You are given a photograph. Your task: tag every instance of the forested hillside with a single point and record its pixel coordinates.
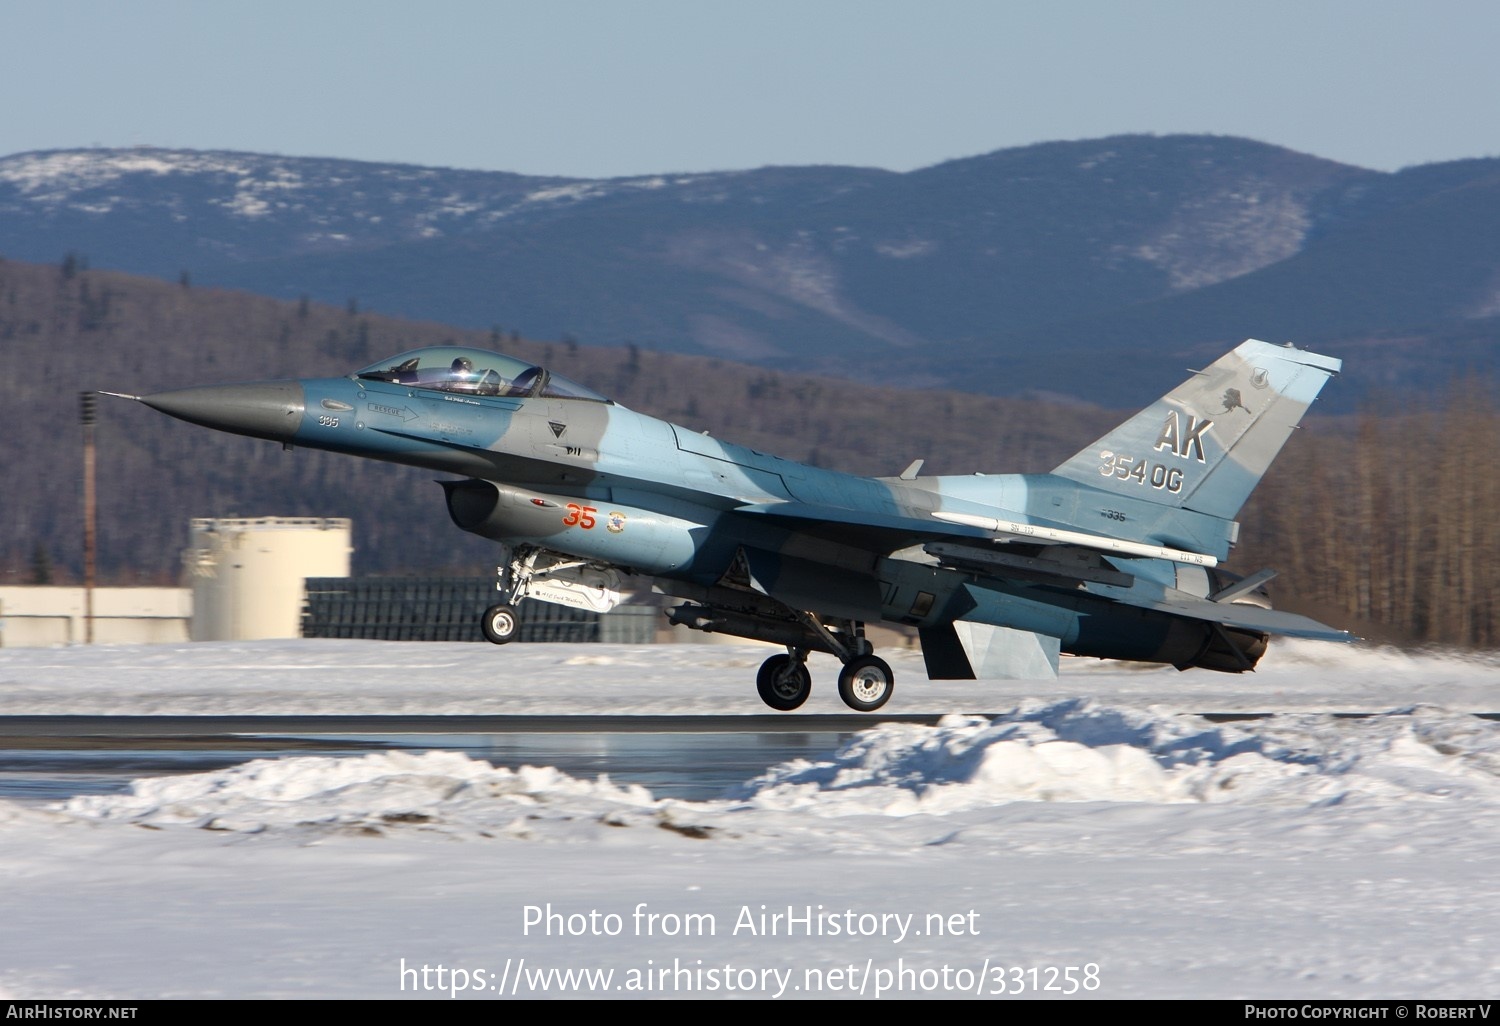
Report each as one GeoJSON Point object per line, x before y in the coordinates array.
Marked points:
{"type": "Point", "coordinates": [1388, 517]}
{"type": "Point", "coordinates": [64, 329]}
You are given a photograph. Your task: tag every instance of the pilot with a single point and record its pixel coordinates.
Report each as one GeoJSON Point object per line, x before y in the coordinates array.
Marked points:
{"type": "Point", "coordinates": [462, 369]}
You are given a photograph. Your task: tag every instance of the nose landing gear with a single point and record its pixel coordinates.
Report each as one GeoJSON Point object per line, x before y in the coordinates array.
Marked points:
{"type": "Point", "coordinates": [537, 573]}
{"type": "Point", "coordinates": [499, 624]}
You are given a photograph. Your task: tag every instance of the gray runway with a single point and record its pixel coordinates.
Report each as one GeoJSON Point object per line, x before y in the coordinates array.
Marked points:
{"type": "Point", "coordinates": [52, 758]}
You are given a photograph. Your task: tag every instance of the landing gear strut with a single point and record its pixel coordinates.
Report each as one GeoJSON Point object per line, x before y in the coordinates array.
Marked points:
{"type": "Point", "coordinates": [500, 624]}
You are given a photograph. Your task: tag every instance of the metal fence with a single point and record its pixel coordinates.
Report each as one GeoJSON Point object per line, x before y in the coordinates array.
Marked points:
{"type": "Point", "coordinates": [448, 609]}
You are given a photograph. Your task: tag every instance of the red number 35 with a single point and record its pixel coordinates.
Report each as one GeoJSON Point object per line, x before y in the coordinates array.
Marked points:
{"type": "Point", "coordinates": [583, 516]}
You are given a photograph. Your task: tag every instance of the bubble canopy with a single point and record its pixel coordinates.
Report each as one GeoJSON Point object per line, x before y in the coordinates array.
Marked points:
{"type": "Point", "coordinates": [474, 372]}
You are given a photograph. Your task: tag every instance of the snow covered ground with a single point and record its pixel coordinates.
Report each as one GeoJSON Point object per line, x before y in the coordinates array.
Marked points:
{"type": "Point", "coordinates": [1089, 837]}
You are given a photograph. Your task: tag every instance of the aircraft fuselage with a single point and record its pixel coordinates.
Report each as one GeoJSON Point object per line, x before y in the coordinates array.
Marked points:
{"type": "Point", "coordinates": [1114, 554]}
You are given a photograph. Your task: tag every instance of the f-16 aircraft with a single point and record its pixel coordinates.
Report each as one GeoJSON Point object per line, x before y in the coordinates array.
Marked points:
{"type": "Point", "coordinates": [1114, 554]}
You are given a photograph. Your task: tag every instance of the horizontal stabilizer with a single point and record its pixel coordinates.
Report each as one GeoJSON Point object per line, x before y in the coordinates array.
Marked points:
{"type": "Point", "coordinates": [1244, 616]}
{"type": "Point", "coordinates": [1244, 586]}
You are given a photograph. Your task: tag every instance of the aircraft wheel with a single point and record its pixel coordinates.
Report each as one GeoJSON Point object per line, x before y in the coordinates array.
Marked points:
{"type": "Point", "coordinates": [783, 683]}
{"type": "Point", "coordinates": [866, 683]}
{"type": "Point", "coordinates": [499, 624]}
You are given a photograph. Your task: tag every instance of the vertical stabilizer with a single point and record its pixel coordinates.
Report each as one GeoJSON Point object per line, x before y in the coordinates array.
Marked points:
{"type": "Point", "coordinates": [1206, 444]}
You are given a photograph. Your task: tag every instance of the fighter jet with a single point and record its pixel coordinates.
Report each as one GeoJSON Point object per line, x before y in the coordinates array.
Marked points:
{"type": "Point", "coordinates": [1115, 554]}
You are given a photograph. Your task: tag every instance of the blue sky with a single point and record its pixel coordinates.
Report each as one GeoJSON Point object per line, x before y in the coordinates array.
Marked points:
{"type": "Point", "coordinates": [592, 88]}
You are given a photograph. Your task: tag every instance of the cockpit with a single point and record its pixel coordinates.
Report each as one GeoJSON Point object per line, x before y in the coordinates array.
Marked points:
{"type": "Point", "coordinates": [475, 372]}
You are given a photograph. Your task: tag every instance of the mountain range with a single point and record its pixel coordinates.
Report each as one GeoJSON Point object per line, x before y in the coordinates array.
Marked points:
{"type": "Point", "coordinates": [1072, 268]}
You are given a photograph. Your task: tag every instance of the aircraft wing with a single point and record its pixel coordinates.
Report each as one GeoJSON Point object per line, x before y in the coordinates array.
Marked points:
{"type": "Point", "coordinates": [867, 528]}
{"type": "Point", "coordinates": [892, 531]}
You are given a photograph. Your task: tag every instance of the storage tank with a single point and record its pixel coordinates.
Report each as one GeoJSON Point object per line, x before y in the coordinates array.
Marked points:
{"type": "Point", "coordinates": [248, 575]}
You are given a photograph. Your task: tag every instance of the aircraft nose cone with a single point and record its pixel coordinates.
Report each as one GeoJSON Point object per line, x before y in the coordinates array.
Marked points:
{"type": "Point", "coordinates": [263, 409]}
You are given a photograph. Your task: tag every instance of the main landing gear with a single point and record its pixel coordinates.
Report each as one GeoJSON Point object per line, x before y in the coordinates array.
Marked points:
{"type": "Point", "coordinates": [865, 683]}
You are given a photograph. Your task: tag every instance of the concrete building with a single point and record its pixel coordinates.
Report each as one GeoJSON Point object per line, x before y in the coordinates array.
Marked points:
{"type": "Point", "coordinates": [245, 580]}
{"type": "Point", "coordinates": [39, 616]}
{"type": "Point", "coordinates": [248, 576]}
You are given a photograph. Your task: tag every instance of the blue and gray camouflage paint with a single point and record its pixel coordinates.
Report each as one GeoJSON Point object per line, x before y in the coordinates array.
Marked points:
{"type": "Point", "coordinates": [1114, 554]}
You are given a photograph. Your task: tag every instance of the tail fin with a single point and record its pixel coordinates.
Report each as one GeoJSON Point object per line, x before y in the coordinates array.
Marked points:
{"type": "Point", "coordinates": [1206, 444]}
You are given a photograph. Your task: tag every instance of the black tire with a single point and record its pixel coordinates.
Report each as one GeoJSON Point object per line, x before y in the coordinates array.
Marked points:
{"type": "Point", "coordinates": [866, 683]}
{"type": "Point", "coordinates": [783, 683]}
{"type": "Point", "coordinates": [499, 624]}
